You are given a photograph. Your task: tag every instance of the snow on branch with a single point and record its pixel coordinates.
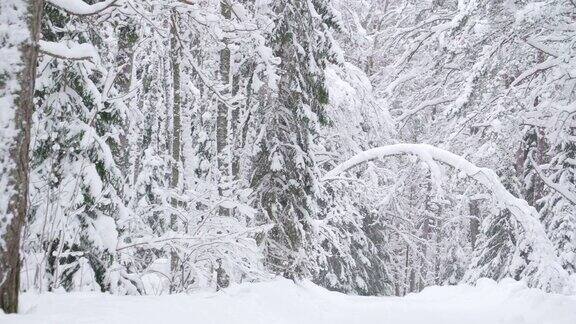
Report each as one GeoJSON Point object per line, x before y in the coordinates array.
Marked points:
{"type": "Point", "coordinates": [69, 51]}
{"type": "Point", "coordinates": [539, 68]}
{"type": "Point", "coordinates": [570, 196]}
{"type": "Point", "coordinates": [534, 258]}
{"type": "Point", "coordinates": [196, 239]}
{"type": "Point", "coordinates": [81, 8]}
{"type": "Point", "coordinates": [423, 105]}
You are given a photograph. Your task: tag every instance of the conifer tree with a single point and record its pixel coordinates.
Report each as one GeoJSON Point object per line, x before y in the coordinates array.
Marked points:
{"type": "Point", "coordinates": [285, 175]}
{"type": "Point", "coordinates": [75, 176]}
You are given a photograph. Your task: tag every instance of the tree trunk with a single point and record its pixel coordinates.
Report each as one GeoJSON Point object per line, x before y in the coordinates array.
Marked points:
{"type": "Point", "coordinates": [222, 145]}
{"type": "Point", "coordinates": [222, 116]}
{"type": "Point", "coordinates": [474, 222]}
{"type": "Point", "coordinates": [14, 167]}
{"type": "Point", "coordinates": [176, 126]}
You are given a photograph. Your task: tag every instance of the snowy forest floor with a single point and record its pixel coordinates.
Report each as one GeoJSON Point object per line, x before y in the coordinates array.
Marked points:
{"type": "Point", "coordinates": [283, 302]}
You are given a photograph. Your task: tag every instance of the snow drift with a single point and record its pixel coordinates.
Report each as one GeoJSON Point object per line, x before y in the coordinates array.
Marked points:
{"type": "Point", "coordinates": [283, 301]}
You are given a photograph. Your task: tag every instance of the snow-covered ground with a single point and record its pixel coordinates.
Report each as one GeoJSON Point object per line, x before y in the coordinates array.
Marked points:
{"type": "Point", "coordinates": [283, 302]}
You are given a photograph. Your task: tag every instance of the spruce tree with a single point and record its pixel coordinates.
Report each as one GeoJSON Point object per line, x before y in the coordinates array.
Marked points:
{"type": "Point", "coordinates": [285, 176]}
{"type": "Point", "coordinates": [76, 182]}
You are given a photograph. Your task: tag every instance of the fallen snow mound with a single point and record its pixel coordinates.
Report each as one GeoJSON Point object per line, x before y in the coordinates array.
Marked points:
{"type": "Point", "coordinates": [284, 302]}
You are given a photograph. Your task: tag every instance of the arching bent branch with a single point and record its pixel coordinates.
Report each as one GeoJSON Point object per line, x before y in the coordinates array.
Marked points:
{"type": "Point", "coordinates": [534, 258]}
{"type": "Point", "coordinates": [81, 8]}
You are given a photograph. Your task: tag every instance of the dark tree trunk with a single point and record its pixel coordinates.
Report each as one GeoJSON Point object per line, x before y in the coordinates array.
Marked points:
{"type": "Point", "coordinates": [222, 134]}
{"type": "Point", "coordinates": [474, 222]}
{"type": "Point", "coordinates": [18, 173]}
{"type": "Point", "coordinates": [176, 120]}
{"type": "Point", "coordinates": [176, 128]}
{"type": "Point", "coordinates": [222, 116]}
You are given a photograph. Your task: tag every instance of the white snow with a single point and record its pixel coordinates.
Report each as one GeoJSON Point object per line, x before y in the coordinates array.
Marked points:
{"type": "Point", "coordinates": [81, 8]}
{"type": "Point", "coordinates": [282, 301]}
{"type": "Point", "coordinates": [70, 50]}
{"type": "Point", "coordinates": [106, 232]}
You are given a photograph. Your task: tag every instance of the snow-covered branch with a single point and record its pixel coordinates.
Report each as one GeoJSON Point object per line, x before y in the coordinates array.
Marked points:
{"type": "Point", "coordinates": [81, 8]}
{"type": "Point", "coordinates": [196, 239]}
{"type": "Point", "coordinates": [70, 51]}
{"type": "Point", "coordinates": [570, 196]}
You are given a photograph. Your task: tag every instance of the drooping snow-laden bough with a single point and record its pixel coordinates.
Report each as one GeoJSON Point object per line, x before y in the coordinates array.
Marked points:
{"type": "Point", "coordinates": [533, 258]}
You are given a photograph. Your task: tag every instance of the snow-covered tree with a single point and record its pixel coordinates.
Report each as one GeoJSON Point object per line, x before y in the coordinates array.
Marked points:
{"type": "Point", "coordinates": [76, 135]}
{"type": "Point", "coordinates": [290, 111]}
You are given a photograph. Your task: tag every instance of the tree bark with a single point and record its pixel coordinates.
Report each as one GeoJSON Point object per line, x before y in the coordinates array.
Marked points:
{"type": "Point", "coordinates": [17, 170]}
{"type": "Point", "coordinates": [222, 121]}
{"type": "Point", "coordinates": [222, 116]}
{"type": "Point", "coordinates": [176, 120]}
{"type": "Point", "coordinates": [474, 222]}
{"type": "Point", "coordinates": [176, 127]}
